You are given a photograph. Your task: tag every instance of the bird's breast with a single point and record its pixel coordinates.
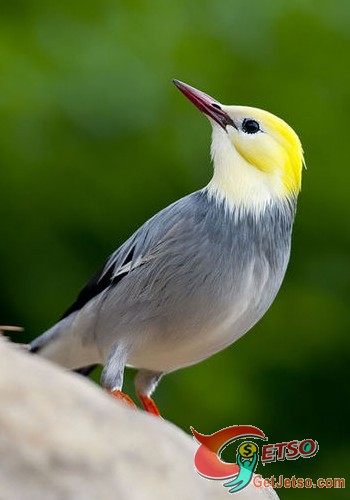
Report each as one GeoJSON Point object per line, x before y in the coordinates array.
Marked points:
{"type": "Point", "coordinates": [202, 326]}
{"type": "Point", "coordinates": [208, 285]}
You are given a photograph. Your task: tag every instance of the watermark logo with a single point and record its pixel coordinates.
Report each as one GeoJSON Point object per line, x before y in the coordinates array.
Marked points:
{"type": "Point", "coordinates": [209, 463]}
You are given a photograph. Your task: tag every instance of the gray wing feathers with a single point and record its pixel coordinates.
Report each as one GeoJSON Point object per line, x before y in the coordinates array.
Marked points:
{"type": "Point", "coordinates": [146, 242]}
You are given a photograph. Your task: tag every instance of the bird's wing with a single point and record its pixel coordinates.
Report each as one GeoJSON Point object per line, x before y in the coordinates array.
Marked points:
{"type": "Point", "coordinates": [140, 248]}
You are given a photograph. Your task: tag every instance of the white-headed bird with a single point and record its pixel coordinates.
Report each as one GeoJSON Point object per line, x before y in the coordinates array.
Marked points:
{"type": "Point", "coordinates": [201, 272]}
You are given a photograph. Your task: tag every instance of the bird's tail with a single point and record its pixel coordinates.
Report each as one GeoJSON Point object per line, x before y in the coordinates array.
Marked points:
{"type": "Point", "coordinates": [64, 344]}
{"type": "Point", "coordinates": [58, 344]}
{"type": "Point", "coordinates": [44, 340]}
{"type": "Point", "coordinates": [38, 345]}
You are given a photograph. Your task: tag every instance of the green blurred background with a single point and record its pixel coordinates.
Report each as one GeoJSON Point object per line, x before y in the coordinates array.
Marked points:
{"type": "Point", "coordinates": [94, 139]}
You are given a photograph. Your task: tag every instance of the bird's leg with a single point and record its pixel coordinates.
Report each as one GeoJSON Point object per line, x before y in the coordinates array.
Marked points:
{"type": "Point", "coordinates": [113, 374]}
{"type": "Point", "coordinates": [145, 383]}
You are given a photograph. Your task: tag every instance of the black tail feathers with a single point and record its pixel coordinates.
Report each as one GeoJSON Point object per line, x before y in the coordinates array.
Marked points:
{"type": "Point", "coordinates": [85, 370]}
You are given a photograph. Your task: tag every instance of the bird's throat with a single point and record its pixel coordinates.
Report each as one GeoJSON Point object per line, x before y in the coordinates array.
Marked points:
{"type": "Point", "coordinates": [239, 184]}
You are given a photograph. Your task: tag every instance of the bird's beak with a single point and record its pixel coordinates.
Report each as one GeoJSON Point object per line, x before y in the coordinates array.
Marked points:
{"type": "Point", "coordinates": [209, 106]}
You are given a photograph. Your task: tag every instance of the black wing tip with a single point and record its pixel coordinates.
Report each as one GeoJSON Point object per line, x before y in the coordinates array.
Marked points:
{"type": "Point", "coordinates": [102, 280]}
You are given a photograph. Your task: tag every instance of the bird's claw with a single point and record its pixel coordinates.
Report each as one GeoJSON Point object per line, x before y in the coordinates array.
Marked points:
{"type": "Point", "coordinates": [148, 404]}
{"type": "Point", "coordinates": [124, 398]}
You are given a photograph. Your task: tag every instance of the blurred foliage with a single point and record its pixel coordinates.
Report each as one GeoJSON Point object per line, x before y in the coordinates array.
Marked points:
{"type": "Point", "coordinates": [94, 139]}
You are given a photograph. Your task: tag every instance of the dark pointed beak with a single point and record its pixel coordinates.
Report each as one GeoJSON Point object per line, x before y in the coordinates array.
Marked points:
{"type": "Point", "coordinates": [209, 106]}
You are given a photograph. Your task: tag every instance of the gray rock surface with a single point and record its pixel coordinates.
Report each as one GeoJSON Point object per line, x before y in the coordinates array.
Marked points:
{"type": "Point", "coordinates": [62, 438]}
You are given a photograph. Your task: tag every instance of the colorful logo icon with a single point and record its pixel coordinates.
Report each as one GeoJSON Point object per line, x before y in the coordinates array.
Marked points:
{"type": "Point", "coordinates": [209, 463]}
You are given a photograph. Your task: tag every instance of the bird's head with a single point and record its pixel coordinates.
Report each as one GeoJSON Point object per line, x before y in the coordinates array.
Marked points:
{"type": "Point", "coordinates": [258, 158]}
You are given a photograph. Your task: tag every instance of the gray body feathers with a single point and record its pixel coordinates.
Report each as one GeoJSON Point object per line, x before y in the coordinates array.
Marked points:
{"type": "Point", "coordinates": [189, 282]}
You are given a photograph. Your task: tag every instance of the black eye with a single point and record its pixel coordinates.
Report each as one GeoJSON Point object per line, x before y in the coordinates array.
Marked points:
{"type": "Point", "coordinates": [250, 126]}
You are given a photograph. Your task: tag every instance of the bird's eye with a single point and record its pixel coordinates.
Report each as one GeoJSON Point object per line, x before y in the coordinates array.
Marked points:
{"type": "Point", "coordinates": [250, 126]}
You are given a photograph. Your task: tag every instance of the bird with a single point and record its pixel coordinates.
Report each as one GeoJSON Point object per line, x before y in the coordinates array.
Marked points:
{"type": "Point", "coordinates": [201, 272]}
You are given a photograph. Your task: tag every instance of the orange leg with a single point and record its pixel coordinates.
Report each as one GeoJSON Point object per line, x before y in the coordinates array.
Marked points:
{"type": "Point", "coordinates": [123, 397]}
{"type": "Point", "coordinates": [148, 404]}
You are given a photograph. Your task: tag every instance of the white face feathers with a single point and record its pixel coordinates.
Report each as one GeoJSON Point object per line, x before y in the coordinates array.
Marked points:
{"type": "Point", "coordinates": [257, 157]}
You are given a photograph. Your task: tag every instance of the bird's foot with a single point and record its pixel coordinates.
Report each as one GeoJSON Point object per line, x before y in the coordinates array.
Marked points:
{"type": "Point", "coordinates": [124, 398]}
{"type": "Point", "coordinates": [148, 404]}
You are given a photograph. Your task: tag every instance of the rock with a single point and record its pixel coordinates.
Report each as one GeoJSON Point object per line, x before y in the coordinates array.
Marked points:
{"type": "Point", "coordinates": [61, 437]}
